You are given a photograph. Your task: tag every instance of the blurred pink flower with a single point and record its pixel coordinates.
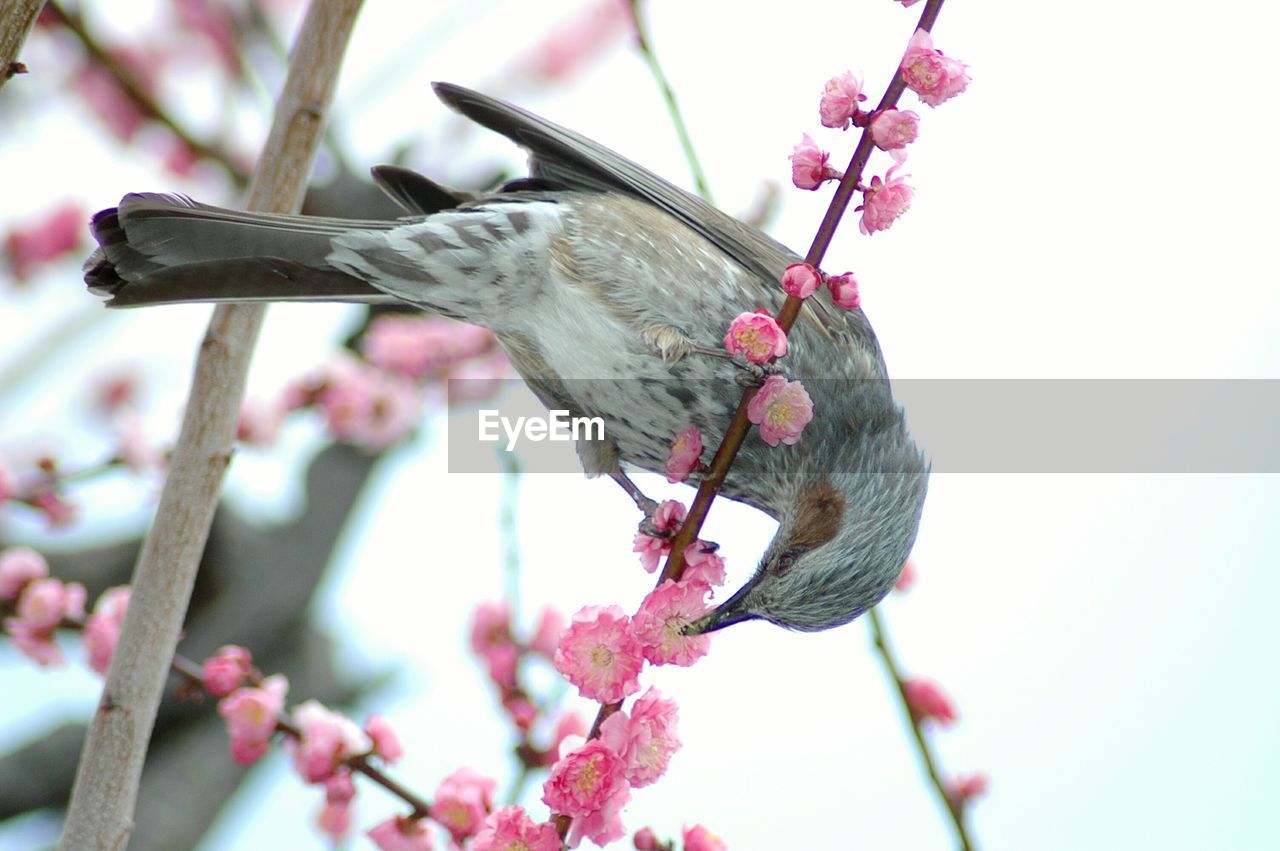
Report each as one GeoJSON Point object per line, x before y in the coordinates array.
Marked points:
{"type": "Point", "coordinates": [45, 240]}
{"type": "Point", "coordinates": [251, 715]}
{"type": "Point", "coordinates": [965, 787]}
{"type": "Point", "coordinates": [907, 578]}
{"type": "Point", "coordinates": [928, 702]}
{"type": "Point", "coordinates": [18, 567]}
{"type": "Point", "coordinates": [386, 744]}
{"type": "Point", "coordinates": [510, 829]}
{"type": "Point", "coordinates": [703, 564]}
{"type": "Point", "coordinates": [102, 629]}
{"type": "Point", "coordinates": [226, 670]}
{"type": "Point", "coordinates": [462, 801]}
{"type": "Point", "coordinates": [403, 834]}
{"type": "Point", "coordinates": [415, 346]}
{"type": "Point", "coordinates": [328, 740]}
{"type": "Point", "coordinates": [546, 635]}
{"type": "Point", "coordinates": [698, 838]}
{"type": "Point", "coordinates": [572, 44]}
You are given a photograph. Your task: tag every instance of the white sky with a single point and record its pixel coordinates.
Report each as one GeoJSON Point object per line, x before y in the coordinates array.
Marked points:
{"type": "Point", "coordinates": [1099, 204]}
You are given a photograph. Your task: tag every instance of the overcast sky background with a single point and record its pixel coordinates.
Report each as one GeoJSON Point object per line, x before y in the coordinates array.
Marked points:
{"type": "Point", "coordinates": [1099, 204]}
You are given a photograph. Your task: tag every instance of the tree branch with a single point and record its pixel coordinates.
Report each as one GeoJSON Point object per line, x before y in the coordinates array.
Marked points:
{"type": "Point", "coordinates": [954, 807]}
{"type": "Point", "coordinates": [100, 814]}
{"type": "Point", "coordinates": [16, 20]}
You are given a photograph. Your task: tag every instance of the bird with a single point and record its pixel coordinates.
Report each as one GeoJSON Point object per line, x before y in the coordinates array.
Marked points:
{"type": "Point", "coordinates": [608, 287]}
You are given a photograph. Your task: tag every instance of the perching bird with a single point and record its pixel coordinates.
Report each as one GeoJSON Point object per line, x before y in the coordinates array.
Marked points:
{"type": "Point", "coordinates": [607, 286]}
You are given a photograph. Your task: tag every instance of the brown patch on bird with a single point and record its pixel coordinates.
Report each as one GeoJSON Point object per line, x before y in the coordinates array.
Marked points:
{"type": "Point", "coordinates": [819, 510]}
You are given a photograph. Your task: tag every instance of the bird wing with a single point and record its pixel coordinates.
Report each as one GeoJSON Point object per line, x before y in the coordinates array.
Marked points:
{"type": "Point", "coordinates": [564, 159]}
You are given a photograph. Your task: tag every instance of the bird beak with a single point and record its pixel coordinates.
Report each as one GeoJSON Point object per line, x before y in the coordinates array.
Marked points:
{"type": "Point", "coordinates": [729, 612]}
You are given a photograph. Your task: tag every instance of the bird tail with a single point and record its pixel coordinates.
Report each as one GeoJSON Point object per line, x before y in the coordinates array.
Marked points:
{"type": "Point", "coordinates": [167, 249]}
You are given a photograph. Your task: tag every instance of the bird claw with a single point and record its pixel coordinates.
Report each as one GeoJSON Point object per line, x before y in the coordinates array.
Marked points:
{"type": "Point", "coordinates": [755, 374]}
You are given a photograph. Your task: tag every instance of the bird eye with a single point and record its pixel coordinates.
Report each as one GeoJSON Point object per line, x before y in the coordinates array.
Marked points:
{"type": "Point", "coordinates": [784, 562]}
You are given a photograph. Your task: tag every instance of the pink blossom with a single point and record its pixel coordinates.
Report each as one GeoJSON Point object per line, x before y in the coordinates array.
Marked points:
{"type": "Point", "coordinates": [572, 44]}
{"type": "Point", "coordinates": [522, 712]}
{"type": "Point", "coordinates": [698, 838]}
{"type": "Point", "coordinates": [685, 454]}
{"type": "Point", "coordinates": [334, 819]}
{"type": "Point", "coordinates": [884, 201]}
{"type": "Point", "coordinates": [402, 834]}
{"type": "Point", "coordinates": [102, 629]}
{"type": "Point", "coordinates": [844, 291]}
{"type": "Point", "coordinates": [782, 409]}
{"type": "Point", "coordinates": [646, 840]}
{"type": "Point", "coordinates": [214, 22]}
{"type": "Point", "coordinates": [386, 744]}
{"type": "Point", "coordinates": [603, 825]}
{"type": "Point", "coordinates": [260, 422]}
{"type": "Point", "coordinates": [251, 715]}
{"type": "Point", "coordinates": [703, 564]}
{"type": "Point", "coordinates": [907, 578]}
{"type": "Point", "coordinates": [367, 406]}
{"type": "Point", "coordinates": [491, 627]}
{"type": "Point", "coordinates": [510, 829]}
{"type": "Point", "coordinates": [584, 779]}
{"type": "Point", "coordinates": [546, 636]}
{"type": "Point", "coordinates": [44, 241]}
{"type": "Point", "coordinates": [800, 280]}
{"type": "Point", "coordinates": [328, 740]}
{"type": "Point", "coordinates": [894, 128]}
{"type": "Point", "coordinates": [663, 615]}
{"type": "Point", "coordinates": [965, 787]}
{"type": "Point", "coordinates": [930, 74]}
{"type": "Point", "coordinates": [600, 655]}
{"type": "Point", "coordinates": [646, 739]}
{"type": "Point", "coordinates": [115, 393]}
{"type": "Point", "coordinates": [55, 509]}
{"type": "Point", "coordinates": [756, 336]}
{"type": "Point", "coordinates": [45, 602]}
{"type": "Point", "coordinates": [340, 788]}
{"type": "Point", "coordinates": [840, 99]}
{"type": "Point", "coordinates": [569, 725]}
{"type": "Point", "coordinates": [907, 4]}
{"type": "Point", "coordinates": [501, 662]}
{"type": "Point", "coordinates": [927, 702]}
{"type": "Point", "coordinates": [462, 801]}
{"type": "Point", "coordinates": [179, 157]}
{"type": "Point", "coordinates": [7, 490]}
{"type": "Point", "coordinates": [667, 520]}
{"type": "Point", "coordinates": [226, 670]}
{"type": "Point", "coordinates": [135, 450]}
{"type": "Point", "coordinates": [809, 167]}
{"type": "Point", "coordinates": [37, 645]}
{"type": "Point", "coordinates": [104, 96]}
{"type": "Point", "coordinates": [20, 566]}
{"type": "Point", "coordinates": [415, 346]}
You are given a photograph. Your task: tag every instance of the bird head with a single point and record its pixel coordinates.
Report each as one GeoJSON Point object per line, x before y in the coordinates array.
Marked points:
{"type": "Point", "coordinates": [841, 543]}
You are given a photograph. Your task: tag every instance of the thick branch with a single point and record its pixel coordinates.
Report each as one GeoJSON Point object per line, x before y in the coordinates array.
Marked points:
{"type": "Point", "coordinates": [16, 20]}
{"type": "Point", "coordinates": [101, 810]}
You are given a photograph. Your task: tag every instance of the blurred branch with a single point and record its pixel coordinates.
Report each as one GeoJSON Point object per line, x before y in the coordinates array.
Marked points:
{"type": "Point", "coordinates": [669, 95]}
{"type": "Point", "coordinates": [100, 815]}
{"type": "Point", "coordinates": [16, 20]}
{"type": "Point", "coordinates": [954, 807]}
{"type": "Point", "coordinates": [146, 104]}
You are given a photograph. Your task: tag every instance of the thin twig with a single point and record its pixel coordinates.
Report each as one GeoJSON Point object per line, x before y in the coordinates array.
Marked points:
{"type": "Point", "coordinates": [740, 425]}
{"type": "Point", "coordinates": [954, 808]}
{"type": "Point", "coordinates": [100, 815]}
{"type": "Point", "coordinates": [142, 99]}
{"type": "Point", "coordinates": [669, 95]}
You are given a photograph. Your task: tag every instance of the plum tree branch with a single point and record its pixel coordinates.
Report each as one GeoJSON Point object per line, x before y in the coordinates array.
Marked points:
{"type": "Point", "coordinates": [100, 814]}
